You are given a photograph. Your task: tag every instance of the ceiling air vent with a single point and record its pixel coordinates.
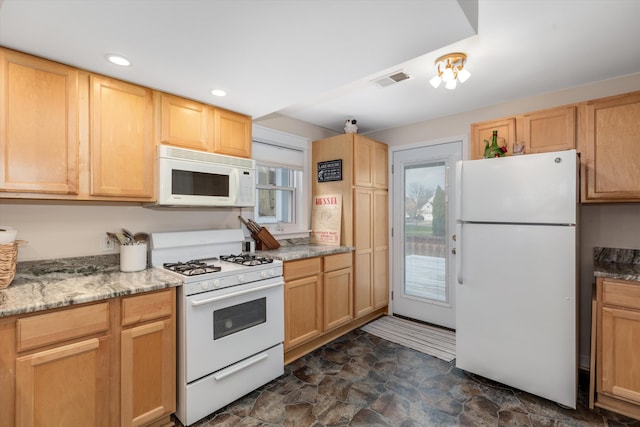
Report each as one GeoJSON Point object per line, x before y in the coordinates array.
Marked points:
{"type": "Point", "coordinates": [392, 79]}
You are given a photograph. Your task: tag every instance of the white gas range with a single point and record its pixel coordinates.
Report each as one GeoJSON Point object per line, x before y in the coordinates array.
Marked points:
{"type": "Point", "coordinates": [230, 324]}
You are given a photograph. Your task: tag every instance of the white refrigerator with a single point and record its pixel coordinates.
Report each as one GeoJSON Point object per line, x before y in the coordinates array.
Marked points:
{"type": "Point", "coordinates": [516, 290]}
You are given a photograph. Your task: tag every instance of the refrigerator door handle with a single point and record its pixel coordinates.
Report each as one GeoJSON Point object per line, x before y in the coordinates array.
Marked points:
{"type": "Point", "coordinates": [459, 253]}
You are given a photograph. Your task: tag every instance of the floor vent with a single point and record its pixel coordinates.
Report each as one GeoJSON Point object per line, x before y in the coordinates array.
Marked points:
{"type": "Point", "coordinates": [392, 79]}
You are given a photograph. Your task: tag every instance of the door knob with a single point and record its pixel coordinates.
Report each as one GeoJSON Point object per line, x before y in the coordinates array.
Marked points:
{"type": "Point", "coordinates": [453, 251]}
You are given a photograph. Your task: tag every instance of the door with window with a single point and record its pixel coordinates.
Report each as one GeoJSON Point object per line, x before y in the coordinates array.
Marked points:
{"type": "Point", "coordinates": [423, 232]}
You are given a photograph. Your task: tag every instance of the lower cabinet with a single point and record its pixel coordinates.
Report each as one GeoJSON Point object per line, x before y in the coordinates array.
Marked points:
{"type": "Point", "coordinates": [617, 345]}
{"type": "Point", "coordinates": [319, 303]}
{"type": "Point", "coordinates": [110, 363]}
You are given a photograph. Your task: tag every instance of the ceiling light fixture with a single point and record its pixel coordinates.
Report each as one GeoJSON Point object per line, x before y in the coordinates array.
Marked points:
{"type": "Point", "coordinates": [118, 60]}
{"type": "Point", "coordinates": [450, 69]}
{"type": "Point", "coordinates": [218, 92]}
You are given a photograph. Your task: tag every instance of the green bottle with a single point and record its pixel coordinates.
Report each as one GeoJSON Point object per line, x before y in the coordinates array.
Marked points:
{"type": "Point", "coordinates": [492, 150]}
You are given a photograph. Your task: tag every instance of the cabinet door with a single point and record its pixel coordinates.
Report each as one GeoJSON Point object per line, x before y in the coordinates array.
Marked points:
{"type": "Point", "coordinates": [122, 150]}
{"type": "Point", "coordinates": [619, 365]}
{"type": "Point", "coordinates": [549, 130]}
{"type": "Point", "coordinates": [338, 298]}
{"type": "Point", "coordinates": [612, 149]}
{"type": "Point", "coordinates": [363, 257]}
{"type": "Point", "coordinates": [185, 123]}
{"type": "Point", "coordinates": [380, 165]}
{"type": "Point", "coordinates": [147, 375]}
{"type": "Point", "coordinates": [303, 310]}
{"type": "Point", "coordinates": [38, 125]}
{"type": "Point", "coordinates": [363, 152]}
{"type": "Point", "coordinates": [232, 133]}
{"type": "Point", "coordinates": [480, 131]}
{"type": "Point", "coordinates": [380, 248]}
{"type": "Point", "coordinates": [67, 385]}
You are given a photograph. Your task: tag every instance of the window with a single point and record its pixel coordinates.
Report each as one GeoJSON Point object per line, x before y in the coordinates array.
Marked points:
{"type": "Point", "coordinates": [283, 197]}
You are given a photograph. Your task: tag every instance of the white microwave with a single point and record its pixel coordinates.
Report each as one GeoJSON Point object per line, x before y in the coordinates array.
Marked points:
{"type": "Point", "coordinates": [196, 178]}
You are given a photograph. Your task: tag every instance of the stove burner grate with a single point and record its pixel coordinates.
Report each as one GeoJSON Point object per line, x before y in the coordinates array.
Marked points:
{"type": "Point", "coordinates": [191, 268]}
{"type": "Point", "coordinates": [247, 260]}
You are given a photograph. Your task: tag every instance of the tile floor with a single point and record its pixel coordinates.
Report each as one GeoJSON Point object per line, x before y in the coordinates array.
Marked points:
{"type": "Point", "coordinates": [363, 380]}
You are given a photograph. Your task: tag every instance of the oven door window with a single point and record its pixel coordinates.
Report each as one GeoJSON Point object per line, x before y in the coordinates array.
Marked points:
{"type": "Point", "coordinates": [236, 318]}
{"type": "Point", "coordinates": [190, 183]}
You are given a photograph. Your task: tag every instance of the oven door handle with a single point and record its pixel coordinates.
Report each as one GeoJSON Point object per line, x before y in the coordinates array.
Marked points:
{"type": "Point", "coordinates": [235, 294]}
{"type": "Point", "coordinates": [239, 367]}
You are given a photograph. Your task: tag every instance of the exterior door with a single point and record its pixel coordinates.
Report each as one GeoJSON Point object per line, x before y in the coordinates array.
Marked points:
{"type": "Point", "coordinates": [423, 232]}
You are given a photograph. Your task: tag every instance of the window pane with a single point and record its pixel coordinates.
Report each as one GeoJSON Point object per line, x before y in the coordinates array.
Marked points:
{"type": "Point", "coordinates": [266, 203]}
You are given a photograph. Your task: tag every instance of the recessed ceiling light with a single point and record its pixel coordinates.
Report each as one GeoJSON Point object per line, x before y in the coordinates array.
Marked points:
{"type": "Point", "coordinates": [218, 92]}
{"type": "Point", "coordinates": [118, 60]}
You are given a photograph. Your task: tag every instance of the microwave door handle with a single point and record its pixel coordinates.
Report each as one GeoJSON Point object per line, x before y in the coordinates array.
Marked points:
{"type": "Point", "coordinates": [235, 294]}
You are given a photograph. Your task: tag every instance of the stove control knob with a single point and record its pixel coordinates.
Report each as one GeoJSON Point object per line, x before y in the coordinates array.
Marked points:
{"type": "Point", "coordinates": [205, 285]}
{"type": "Point", "coordinates": [264, 274]}
{"type": "Point", "coordinates": [216, 283]}
{"type": "Point", "coordinates": [241, 278]}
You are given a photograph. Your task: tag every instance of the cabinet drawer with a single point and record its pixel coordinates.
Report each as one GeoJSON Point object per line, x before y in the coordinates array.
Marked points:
{"type": "Point", "coordinates": [337, 262]}
{"type": "Point", "coordinates": [621, 293]}
{"type": "Point", "coordinates": [51, 328]}
{"type": "Point", "coordinates": [149, 306]}
{"type": "Point", "coordinates": [302, 268]}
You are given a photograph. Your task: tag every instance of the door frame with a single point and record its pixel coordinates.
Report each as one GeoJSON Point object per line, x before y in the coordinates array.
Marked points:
{"type": "Point", "coordinates": [464, 139]}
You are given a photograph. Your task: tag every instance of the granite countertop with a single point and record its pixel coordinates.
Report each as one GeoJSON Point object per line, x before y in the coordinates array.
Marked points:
{"type": "Point", "coordinates": [617, 263]}
{"type": "Point", "coordinates": [42, 285]}
{"type": "Point", "coordinates": [290, 250]}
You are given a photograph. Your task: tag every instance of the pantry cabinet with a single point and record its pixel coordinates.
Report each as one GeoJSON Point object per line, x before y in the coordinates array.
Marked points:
{"type": "Point", "coordinates": [617, 367]}
{"type": "Point", "coordinates": [38, 125]}
{"type": "Point", "coordinates": [122, 148]}
{"type": "Point", "coordinates": [110, 363]}
{"type": "Point", "coordinates": [611, 169]}
{"type": "Point", "coordinates": [197, 126]}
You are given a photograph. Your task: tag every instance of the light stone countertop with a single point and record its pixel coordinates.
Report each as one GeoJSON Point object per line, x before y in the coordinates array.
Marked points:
{"type": "Point", "coordinates": [616, 263]}
{"type": "Point", "coordinates": [46, 284]}
{"type": "Point", "coordinates": [302, 251]}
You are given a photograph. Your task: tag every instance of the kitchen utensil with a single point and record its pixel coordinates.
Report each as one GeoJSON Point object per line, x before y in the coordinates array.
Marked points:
{"type": "Point", "coordinates": [128, 235]}
{"type": "Point", "coordinates": [122, 239]}
{"type": "Point", "coordinates": [140, 237]}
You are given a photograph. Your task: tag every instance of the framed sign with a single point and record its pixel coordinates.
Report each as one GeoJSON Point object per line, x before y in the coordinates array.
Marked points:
{"type": "Point", "coordinates": [330, 170]}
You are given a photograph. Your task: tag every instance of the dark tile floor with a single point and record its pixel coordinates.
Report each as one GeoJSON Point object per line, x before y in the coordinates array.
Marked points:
{"type": "Point", "coordinates": [363, 380]}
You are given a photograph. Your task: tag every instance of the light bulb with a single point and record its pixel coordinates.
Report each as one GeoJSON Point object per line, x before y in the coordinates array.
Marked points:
{"type": "Point", "coordinates": [463, 75]}
{"type": "Point", "coordinates": [118, 60]}
{"type": "Point", "coordinates": [447, 75]}
{"type": "Point", "coordinates": [451, 84]}
{"type": "Point", "coordinates": [435, 81]}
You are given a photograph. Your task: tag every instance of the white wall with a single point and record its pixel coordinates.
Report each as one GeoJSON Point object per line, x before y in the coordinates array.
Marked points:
{"type": "Point", "coordinates": [611, 225]}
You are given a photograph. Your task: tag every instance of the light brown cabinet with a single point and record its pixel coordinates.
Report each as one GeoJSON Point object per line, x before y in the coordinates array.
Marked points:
{"type": "Point", "coordinates": [338, 290]}
{"type": "Point", "coordinates": [364, 212]}
{"type": "Point", "coordinates": [542, 131]}
{"type": "Point", "coordinates": [612, 152]}
{"type": "Point", "coordinates": [38, 125]}
{"type": "Point", "coordinates": [110, 363]}
{"type": "Point", "coordinates": [122, 148]}
{"type": "Point", "coordinates": [302, 301]}
{"type": "Point", "coordinates": [617, 337]}
{"type": "Point", "coordinates": [190, 124]}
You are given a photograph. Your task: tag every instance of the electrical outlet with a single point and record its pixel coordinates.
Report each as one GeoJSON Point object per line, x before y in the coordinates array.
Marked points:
{"type": "Point", "coordinates": [108, 245]}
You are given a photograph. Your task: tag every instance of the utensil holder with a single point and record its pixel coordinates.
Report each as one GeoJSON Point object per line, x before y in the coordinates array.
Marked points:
{"type": "Point", "coordinates": [133, 257]}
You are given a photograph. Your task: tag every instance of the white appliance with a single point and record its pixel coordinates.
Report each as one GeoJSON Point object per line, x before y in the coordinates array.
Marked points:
{"type": "Point", "coordinates": [230, 323]}
{"type": "Point", "coordinates": [196, 178]}
{"type": "Point", "coordinates": [516, 263]}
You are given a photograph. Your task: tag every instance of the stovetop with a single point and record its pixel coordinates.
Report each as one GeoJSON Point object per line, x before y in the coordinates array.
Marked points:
{"type": "Point", "coordinates": [246, 259]}
{"type": "Point", "coordinates": [197, 267]}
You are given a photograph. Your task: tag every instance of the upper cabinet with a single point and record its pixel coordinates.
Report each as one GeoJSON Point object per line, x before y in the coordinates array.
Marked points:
{"type": "Point", "coordinates": [611, 163]}
{"type": "Point", "coordinates": [190, 124]}
{"type": "Point", "coordinates": [185, 123]}
{"type": "Point", "coordinates": [369, 162]}
{"type": "Point", "coordinates": [38, 125]}
{"type": "Point", "coordinates": [122, 148]}
{"type": "Point", "coordinates": [540, 132]}
{"type": "Point", "coordinates": [482, 131]}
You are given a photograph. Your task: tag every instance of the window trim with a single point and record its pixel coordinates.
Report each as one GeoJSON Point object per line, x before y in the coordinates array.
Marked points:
{"type": "Point", "coordinates": [302, 207]}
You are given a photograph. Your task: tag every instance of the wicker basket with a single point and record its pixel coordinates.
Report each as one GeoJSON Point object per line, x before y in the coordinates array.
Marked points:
{"type": "Point", "coordinates": [8, 257]}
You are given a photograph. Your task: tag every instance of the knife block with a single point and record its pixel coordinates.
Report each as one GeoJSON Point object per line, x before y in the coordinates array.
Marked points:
{"type": "Point", "coordinates": [265, 240]}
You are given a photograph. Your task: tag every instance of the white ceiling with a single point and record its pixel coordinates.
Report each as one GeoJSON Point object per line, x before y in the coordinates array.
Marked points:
{"type": "Point", "coordinates": [314, 59]}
